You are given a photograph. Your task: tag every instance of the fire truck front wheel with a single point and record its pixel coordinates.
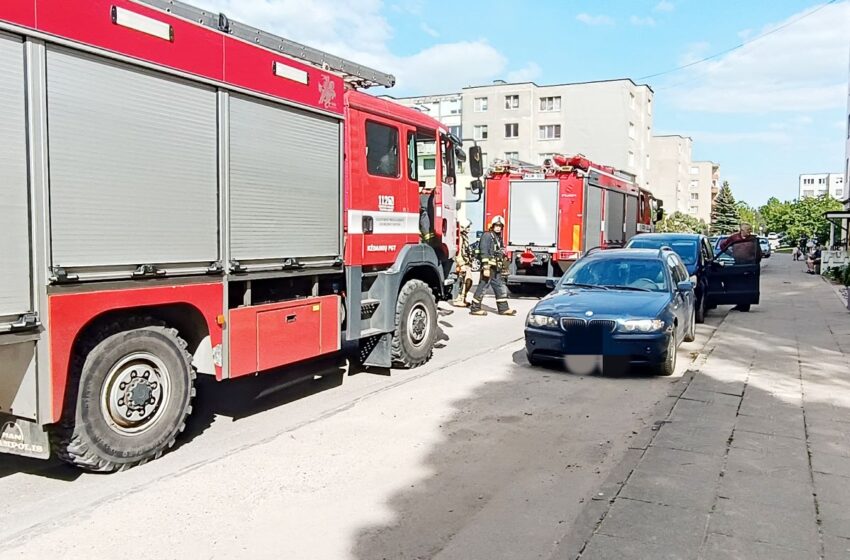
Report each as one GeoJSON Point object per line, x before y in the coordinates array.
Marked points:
{"type": "Point", "coordinates": [416, 325]}
{"type": "Point", "coordinates": [134, 394]}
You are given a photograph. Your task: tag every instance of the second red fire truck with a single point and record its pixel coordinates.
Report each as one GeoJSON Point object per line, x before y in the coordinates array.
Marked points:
{"type": "Point", "coordinates": [186, 195]}
{"type": "Point", "coordinates": [556, 212]}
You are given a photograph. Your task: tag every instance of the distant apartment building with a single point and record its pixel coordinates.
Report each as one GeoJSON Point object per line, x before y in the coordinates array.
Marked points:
{"type": "Point", "coordinates": [703, 186]}
{"type": "Point", "coordinates": [670, 177]}
{"type": "Point", "coordinates": [610, 122]}
{"type": "Point", "coordinates": [819, 184]}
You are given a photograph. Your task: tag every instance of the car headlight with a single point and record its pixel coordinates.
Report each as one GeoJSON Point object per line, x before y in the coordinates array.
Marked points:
{"type": "Point", "coordinates": [641, 325]}
{"type": "Point", "coordinates": [544, 321]}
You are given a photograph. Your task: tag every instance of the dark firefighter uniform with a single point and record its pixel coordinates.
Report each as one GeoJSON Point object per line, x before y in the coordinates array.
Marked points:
{"type": "Point", "coordinates": [492, 264]}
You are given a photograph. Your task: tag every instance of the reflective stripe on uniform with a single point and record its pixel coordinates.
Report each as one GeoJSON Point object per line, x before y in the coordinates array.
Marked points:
{"type": "Point", "coordinates": [501, 301]}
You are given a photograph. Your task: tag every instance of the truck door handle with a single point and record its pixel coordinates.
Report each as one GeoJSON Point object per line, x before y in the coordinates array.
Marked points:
{"type": "Point", "coordinates": [291, 318]}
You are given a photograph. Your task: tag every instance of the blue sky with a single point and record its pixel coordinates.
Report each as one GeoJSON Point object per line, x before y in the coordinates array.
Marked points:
{"type": "Point", "coordinates": [767, 112]}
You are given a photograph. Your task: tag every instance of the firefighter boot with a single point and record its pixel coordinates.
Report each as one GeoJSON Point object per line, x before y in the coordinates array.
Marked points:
{"type": "Point", "coordinates": [476, 308]}
{"type": "Point", "coordinates": [502, 307]}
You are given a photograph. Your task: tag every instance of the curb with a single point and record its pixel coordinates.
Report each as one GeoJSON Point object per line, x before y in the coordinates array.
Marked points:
{"type": "Point", "coordinates": [572, 545]}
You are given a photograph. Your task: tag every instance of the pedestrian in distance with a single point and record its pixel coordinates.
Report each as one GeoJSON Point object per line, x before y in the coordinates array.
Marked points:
{"type": "Point", "coordinates": [492, 264]}
{"type": "Point", "coordinates": [463, 262]}
{"type": "Point", "coordinates": [813, 259]}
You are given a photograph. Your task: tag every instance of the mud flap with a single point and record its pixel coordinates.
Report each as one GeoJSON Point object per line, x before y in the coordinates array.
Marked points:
{"type": "Point", "coordinates": [376, 351]}
{"type": "Point", "coordinates": [23, 437]}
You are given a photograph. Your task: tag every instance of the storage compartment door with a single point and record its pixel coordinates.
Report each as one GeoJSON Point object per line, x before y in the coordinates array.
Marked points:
{"type": "Point", "coordinates": [593, 218]}
{"type": "Point", "coordinates": [285, 183]}
{"type": "Point", "coordinates": [15, 284]}
{"type": "Point", "coordinates": [631, 216]}
{"type": "Point", "coordinates": [615, 208]}
{"type": "Point", "coordinates": [133, 165]}
{"type": "Point", "coordinates": [533, 214]}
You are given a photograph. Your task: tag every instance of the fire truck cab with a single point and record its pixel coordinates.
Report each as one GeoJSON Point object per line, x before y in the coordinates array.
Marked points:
{"type": "Point", "coordinates": [183, 194]}
{"type": "Point", "coordinates": [556, 212]}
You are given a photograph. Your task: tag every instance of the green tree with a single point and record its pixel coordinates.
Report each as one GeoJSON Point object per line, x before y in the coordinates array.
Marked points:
{"type": "Point", "coordinates": [724, 213]}
{"type": "Point", "coordinates": [681, 223]}
{"type": "Point", "coordinates": [776, 215]}
{"type": "Point", "coordinates": [750, 215]}
{"type": "Point", "coordinates": [800, 218]}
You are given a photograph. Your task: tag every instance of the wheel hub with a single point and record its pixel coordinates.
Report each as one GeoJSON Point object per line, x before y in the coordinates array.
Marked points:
{"type": "Point", "coordinates": [134, 393]}
{"type": "Point", "coordinates": [418, 325]}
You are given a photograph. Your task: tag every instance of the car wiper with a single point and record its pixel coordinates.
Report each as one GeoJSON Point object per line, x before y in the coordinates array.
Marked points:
{"type": "Point", "coordinates": [591, 286]}
{"type": "Point", "coordinates": [632, 288]}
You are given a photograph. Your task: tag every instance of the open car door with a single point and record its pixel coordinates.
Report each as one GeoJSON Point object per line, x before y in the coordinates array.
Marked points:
{"type": "Point", "coordinates": [734, 275]}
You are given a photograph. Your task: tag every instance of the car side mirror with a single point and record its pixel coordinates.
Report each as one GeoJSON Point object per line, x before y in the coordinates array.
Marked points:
{"type": "Point", "coordinates": [476, 186]}
{"type": "Point", "coordinates": [685, 286]}
{"type": "Point", "coordinates": [476, 167]}
{"type": "Point", "coordinates": [550, 284]}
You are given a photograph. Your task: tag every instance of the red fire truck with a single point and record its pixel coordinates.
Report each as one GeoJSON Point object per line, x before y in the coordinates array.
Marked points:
{"type": "Point", "coordinates": [556, 212]}
{"type": "Point", "coordinates": [184, 194]}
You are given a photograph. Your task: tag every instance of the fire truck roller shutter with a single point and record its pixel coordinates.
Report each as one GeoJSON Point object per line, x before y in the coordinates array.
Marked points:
{"type": "Point", "coordinates": [284, 182]}
{"type": "Point", "coordinates": [592, 218]}
{"type": "Point", "coordinates": [17, 360]}
{"type": "Point", "coordinates": [534, 213]}
{"type": "Point", "coordinates": [631, 216]}
{"type": "Point", "coordinates": [133, 165]}
{"type": "Point", "coordinates": [14, 207]}
{"type": "Point", "coordinates": [615, 210]}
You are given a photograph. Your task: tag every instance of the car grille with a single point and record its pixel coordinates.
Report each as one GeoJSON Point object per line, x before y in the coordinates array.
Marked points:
{"type": "Point", "coordinates": [573, 324]}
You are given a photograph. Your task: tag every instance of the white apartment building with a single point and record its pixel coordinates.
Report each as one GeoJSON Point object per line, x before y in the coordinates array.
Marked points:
{"type": "Point", "coordinates": [610, 122]}
{"type": "Point", "coordinates": [671, 178]}
{"type": "Point", "coordinates": [703, 184]}
{"type": "Point", "coordinates": [819, 184]}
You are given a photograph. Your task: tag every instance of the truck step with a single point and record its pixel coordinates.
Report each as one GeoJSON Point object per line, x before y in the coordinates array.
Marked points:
{"type": "Point", "coordinates": [366, 333]}
{"type": "Point", "coordinates": [368, 308]}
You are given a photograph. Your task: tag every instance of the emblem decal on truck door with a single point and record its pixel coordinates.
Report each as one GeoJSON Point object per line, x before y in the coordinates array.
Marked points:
{"type": "Point", "coordinates": [327, 93]}
{"type": "Point", "coordinates": [386, 203]}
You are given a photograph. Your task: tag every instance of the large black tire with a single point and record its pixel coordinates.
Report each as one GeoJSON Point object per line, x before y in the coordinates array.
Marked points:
{"type": "Point", "coordinates": [668, 366]}
{"type": "Point", "coordinates": [147, 367]}
{"type": "Point", "coordinates": [691, 333]}
{"type": "Point", "coordinates": [416, 325]}
{"type": "Point", "coordinates": [701, 310]}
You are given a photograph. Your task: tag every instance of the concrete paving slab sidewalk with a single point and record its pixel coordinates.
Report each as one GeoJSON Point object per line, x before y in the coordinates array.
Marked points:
{"type": "Point", "coordinates": [753, 460]}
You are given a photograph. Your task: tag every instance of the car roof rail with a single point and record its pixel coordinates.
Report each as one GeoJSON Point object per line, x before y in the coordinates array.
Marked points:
{"type": "Point", "coordinates": [593, 250]}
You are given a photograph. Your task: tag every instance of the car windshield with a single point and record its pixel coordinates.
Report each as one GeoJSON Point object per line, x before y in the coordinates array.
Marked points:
{"type": "Point", "coordinates": [685, 248]}
{"type": "Point", "coordinates": [621, 273]}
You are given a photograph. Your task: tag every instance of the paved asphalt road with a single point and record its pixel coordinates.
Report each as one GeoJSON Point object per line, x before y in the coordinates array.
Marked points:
{"type": "Point", "coordinates": [475, 455]}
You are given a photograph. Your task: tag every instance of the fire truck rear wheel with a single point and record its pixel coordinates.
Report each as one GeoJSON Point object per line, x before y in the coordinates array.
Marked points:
{"type": "Point", "coordinates": [416, 325]}
{"type": "Point", "coordinates": [134, 395]}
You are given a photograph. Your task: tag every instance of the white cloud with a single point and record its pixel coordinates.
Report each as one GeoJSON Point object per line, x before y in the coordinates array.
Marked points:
{"type": "Point", "coordinates": [665, 6]}
{"type": "Point", "coordinates": [527, 73]}
{"type": "Point", "coordinates": [358, 30]}
{"type": "Point", "coordinates": [588, 19]}
{"type": "Point", "coordinates": [802, 67]}
{"type": "Point", "coordinates": [429, 30]}
{"type": "Point", "coordinates": [640, 21]}
{"type": "Point", "coordinates": [694, 52]}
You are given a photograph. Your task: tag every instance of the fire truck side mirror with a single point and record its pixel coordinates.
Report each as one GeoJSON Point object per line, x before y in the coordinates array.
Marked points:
{"type": "Point", "coordinates": [659, 215]}
{"type": "Point", "coordinates": [476, 169]}
{"type": "Point", "coordinates": [477, 187]}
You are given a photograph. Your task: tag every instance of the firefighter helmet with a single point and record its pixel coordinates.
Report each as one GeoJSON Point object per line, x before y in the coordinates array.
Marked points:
{"type": "Point", "coordinates": [497, 221]}
{"type": "Point", "coordinates": [466, 225]}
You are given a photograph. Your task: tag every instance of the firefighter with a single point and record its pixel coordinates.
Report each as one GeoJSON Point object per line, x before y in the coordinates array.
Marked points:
{"type": "Point", "coordinates": [492, 265]}
{"type": "Point", "coordinates": [464, 262]}
{"type": "Point", "coordinates": [426, 221]}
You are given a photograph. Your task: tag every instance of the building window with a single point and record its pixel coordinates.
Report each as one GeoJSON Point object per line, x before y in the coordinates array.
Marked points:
{"type": "Point", "coordinates": [694, 196]}
{"type": "Point", "coordinates": [631, 130]}
{"type": "Point", "coordinates": [631, 159]}
{"type": "Point", "coordinates": [694, 170]}
{"type": "Point", "coordinates": [693, 210]}
{"type": "Point", "coordinates": [550, 132]}
{"type": "Point", "coordinates": [821, 181]}
{"type": "Point", "coordinates": [631, 100]}
{"type": "Point", "coordinates": [694, 185]}
{"type": "Point", "coordinates": [429, 164]}
{"type": "Point", "coordinates": [512, 102]}
{"type": "Point", "coordinates": [512, 156]}
{"type": "Point", "coordinates": [456, 131]}
{"type": "Point", "coordinates": [839, 193]}
{"type": "Point", "coordinates": [479, 132]}
{"type": "Point", "coordinates": [381, 150]}
{"type": "Point", "coordinates": [550, 103]}
{"type": "Point", "coordinates": [511, 130]}
{"type": "Point", "coordinates": [544, 157]}
{"type": "Point", "coordinates": [479, 104]}
{"type": "Point", "coordinates": [648, 159]}
{"type": "Point", "coordinates": [808, 193]}
{"type": "Point", "coordinates": [649, 107]}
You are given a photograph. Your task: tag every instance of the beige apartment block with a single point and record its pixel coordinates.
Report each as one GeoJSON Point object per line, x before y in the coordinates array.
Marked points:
{"type": "Point", "coordinates": [669, 175]}
{"type": "Point", "coordinates": [703, 186]}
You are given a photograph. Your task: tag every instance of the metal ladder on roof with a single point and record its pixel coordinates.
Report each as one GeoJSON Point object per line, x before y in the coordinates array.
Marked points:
{"type": "Point", "coordinates": [355, 74]}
